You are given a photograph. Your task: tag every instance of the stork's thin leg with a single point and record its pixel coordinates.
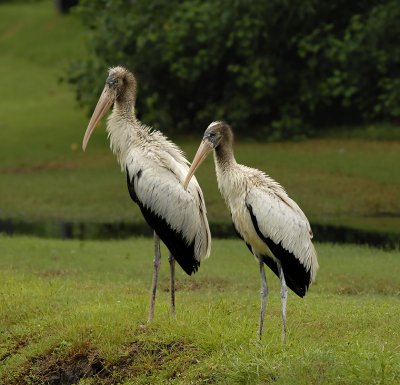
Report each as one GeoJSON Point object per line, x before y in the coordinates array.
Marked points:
{"type": "Point", "coordinates": [264, 294]}
{"type": "Point", "coordinates": [156, 263]}
{"type": "Point", "coordinates": [284, 293]}
{"type": "Point", "coordinates": [171, 260]}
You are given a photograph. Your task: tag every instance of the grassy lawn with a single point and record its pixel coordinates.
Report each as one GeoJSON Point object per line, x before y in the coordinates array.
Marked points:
{"type": "Point", "coordinates": [336, 182]}
{"type": "Point", "coordinates": [39, 117]}
{"type": "Point", "coordinates": [75, 311]}
{"type": "Point", "coordinates": [70, 309]}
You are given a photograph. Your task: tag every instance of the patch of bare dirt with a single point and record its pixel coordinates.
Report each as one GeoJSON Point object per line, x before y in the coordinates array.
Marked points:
{"type": "Point", "coordinates": [54, 370]}
{"type": "Point", "coordinates": [138, 358]}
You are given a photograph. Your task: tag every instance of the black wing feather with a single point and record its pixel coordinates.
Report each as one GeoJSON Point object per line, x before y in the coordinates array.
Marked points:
{"type": "Point", "coordinates": [296, 276]}
{"type": "Point", "coordinates": [175, 242]}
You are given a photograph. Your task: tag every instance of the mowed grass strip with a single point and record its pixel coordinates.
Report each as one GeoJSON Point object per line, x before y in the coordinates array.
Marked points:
{"type": "Point", "coordinates": [76, 311]}
{"type": "Point", "coordinates": [338, 184]}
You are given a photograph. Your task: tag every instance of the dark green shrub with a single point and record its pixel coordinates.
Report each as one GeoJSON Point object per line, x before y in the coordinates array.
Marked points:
{"type": "Point", "coordinates": [273, 69]}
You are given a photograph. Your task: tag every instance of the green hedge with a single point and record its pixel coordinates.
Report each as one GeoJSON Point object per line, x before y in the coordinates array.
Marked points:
{"type": "Point", "coordinates": [274, 69]}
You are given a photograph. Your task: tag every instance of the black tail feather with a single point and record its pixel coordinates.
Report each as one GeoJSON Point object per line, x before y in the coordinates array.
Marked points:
{"type": "Point", "coordinates": [183, 253]}
{"type": "Point", "coordinates": [296, 276]}
{"type": "Point", "coordinates": [176, 244]}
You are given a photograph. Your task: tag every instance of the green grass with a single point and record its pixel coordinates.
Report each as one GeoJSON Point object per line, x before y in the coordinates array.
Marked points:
{"type": "Point", "coordinates": [72, 307]}
{"type": "Point", "coordinates": [335, 182]}
{"type": "Point", "coordinates": [39, 117]}
{"type": "Point", "coordinates": [44, 176]}
{"type": "Point", "coordinates": [381, 131]}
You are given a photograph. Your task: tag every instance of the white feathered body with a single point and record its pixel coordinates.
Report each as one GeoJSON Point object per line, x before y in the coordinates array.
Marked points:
{"type": "Point", "coordinates": [250, 192]}
{"type": "Point", "coordinates": [157, 168]}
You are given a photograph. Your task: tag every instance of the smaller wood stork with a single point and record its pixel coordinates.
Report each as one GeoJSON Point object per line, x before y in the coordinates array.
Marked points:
{"type": "Point", "coordinates": [271, 224]}
{"type": "Point", "coordinates": [155, 169]}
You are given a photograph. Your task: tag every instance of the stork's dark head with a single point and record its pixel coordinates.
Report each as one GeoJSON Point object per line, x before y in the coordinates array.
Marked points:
{"type": "Point", "coordinates": [120, 88]}
{"type": "Point", "coordinates": [218, 136]}
{"type": "Point", "coordinates": [122, 83]}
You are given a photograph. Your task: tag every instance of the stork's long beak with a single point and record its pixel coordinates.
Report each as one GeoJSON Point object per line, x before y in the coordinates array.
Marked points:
{"type": "Point", "coordinates": [103, 105]}
{"type": "Point", "coordinates": [204, 149]}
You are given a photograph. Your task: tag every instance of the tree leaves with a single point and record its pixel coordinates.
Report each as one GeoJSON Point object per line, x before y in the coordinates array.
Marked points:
{"type": "Point", "coordinates": [275, 67]}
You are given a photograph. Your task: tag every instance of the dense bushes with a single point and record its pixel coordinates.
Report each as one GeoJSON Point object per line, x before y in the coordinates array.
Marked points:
{"type": "Point", "coordinates": [271, 68]}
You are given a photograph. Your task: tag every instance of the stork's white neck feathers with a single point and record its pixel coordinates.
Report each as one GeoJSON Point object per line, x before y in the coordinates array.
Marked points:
{"type": "Point", "coordinates": [126, 132]}
{"type": "Point", "coordinates": [233, 178]}
{"type": "Point", "coordinates": [121, 133]}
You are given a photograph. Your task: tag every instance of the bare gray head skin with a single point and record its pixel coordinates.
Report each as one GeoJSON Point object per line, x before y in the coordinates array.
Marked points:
{"type": "Point", "coordinates": [123, 84]}
{"type": "Point", "coordinates": [219, 137]}
{"type": "Point", "coordinates": [120, 90]}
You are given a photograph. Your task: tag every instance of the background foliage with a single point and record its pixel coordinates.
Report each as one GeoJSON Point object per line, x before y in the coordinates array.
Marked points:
{"type": "Point", "coordinates": [280, 67]}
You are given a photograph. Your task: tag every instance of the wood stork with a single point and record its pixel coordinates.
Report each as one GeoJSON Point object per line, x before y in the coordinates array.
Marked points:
{"type": "Point", "coordinates": [271, 224]}
{"type": "Point", "coordinates": [155, 169]}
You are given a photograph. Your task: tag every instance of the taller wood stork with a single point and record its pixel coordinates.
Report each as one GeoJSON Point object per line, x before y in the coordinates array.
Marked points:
{"type": "Point", "coordinates": [155, 169]}
{"type": "Point", "coordinates": [271, 224]}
